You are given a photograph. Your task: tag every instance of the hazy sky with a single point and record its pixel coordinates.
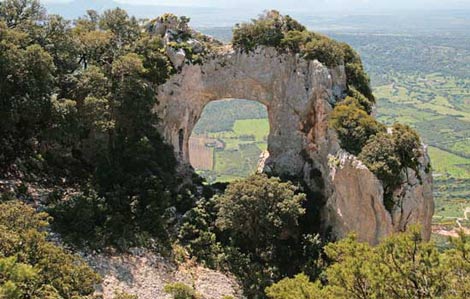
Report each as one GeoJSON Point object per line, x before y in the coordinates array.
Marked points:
{"type": "Point", "coordinates": [309, 4]}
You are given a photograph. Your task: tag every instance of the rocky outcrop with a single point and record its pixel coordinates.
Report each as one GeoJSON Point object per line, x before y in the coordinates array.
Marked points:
{"type": "Point", "coordinates": [299, 96]}
{"type": "Point", "coordinates": [296, 92]}
{"type": "Point", "coordinates": [356, 203]}
{"type": "Point", "coordinates": [414, 199]}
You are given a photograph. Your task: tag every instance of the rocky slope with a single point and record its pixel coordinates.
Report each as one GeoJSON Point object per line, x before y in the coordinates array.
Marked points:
{"type": "Point", "coordinates": [145, 274]}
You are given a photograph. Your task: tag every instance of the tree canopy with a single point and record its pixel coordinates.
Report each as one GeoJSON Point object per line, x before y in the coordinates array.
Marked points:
{"type": "Point", "coordinates": [31, 266]}
{"type": "Point", "coordinates": [402, 266]}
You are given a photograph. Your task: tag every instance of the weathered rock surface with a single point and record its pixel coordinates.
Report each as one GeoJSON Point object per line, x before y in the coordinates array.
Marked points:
{"type": "Point", "coordinates": [299, 96]}
{"type": "Point", "coordinates": [356, 203]}
{"type": "Point", "coordinates": [145, 274]}
{"type": "Point", "coordinates": [296, 93]}
{"type": "Point", "coordinates": [414, 198]}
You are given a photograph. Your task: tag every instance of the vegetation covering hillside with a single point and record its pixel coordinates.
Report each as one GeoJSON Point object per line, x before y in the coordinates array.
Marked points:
{"type": "Point", "coordinates": [77, 126]}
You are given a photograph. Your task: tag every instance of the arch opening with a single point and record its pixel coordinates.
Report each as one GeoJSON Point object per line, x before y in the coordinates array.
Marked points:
{"type": "Point", "coordinates": [229, 139]}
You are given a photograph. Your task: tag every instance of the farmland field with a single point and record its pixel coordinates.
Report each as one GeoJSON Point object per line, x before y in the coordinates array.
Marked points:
{"type": "Point", "coordinates": [244, 139]}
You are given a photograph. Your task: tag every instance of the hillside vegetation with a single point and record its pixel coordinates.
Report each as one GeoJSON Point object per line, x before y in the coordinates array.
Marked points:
{"type": "Point", "coordinates": [77, 124]}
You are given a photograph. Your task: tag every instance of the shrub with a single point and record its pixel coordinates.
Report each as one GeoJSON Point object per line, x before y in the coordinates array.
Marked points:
{"type": "Point", "coordinates": [298, 287]}
{"type": "Point", "coordinates": [80, 219]}
{"type": "Point", "coordinates": [389, 155]}
{"type": "Point", "coordinates": [37, 269]}
{"type": "Point", "coordinates": [408, 144]}
{"type": "Point", "coordinates": [259, 210]}
{"type": "Point", "coordinates": [353, 125]}
{"type": "Point", "coordinates": [325, 50]}
{"type": "Point", "coordinates": [286, 34]}
{"type": "Point", "coordinates": [401, 266]}
{"type": "Point", "coordinates": [294, 41]}
{"type": "Point", "coordinates": [253, 230]}
{"type": "Point", "coordinates": [355, 73]}
{"type": "Point", "coordinates": [363, 102]}
{"type": "Point", "coordinates": [198, 232]}
{"type": "Point", "coordinates": [380, 156]}
{"type": "Point", "coordinates": [181, 291]}
{"type": "Point", "coordinates": [268, 30]}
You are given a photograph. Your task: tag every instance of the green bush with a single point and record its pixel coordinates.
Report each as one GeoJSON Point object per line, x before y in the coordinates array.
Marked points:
{"type": "Point", "coordinates": [266, 31]}
{"type": "Point", "coordinates": [355, 73]}
{"type": "Point", "coordinates": [363, 102]}
{"type": "Point", "coordinates": [353, 125]}
{"type": "Point", "coordinates": [254, 231]}
{"type": "Point", "coordinates": [380, 156]}
{"type": "Point", "coordinates": [258, 211]}
{"type": "Point", "coordinates": [408, 145]}
{"type": "Point", "coordinates": [389, 155]}
{"type": "Point", "coordinates": [181, 291]}
{"type": "Point", "coordinates": [286, 34]}
{"type": "Point", "coordinates": [298, 287]}
{"type": "Point", "coordinates": [401, 266]}
{"type": "Point", "coordinates": [80, 219]}
{"type": "Point", "coordinates": [31, 266]}
{"type": "Point", "coordinates": [198, 233]}
{"type": "Point", "coordinates": [325, 50]}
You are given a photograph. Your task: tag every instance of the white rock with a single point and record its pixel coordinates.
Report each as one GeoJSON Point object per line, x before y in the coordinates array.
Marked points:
{"type": "Point", "coordinates": [177, 56]}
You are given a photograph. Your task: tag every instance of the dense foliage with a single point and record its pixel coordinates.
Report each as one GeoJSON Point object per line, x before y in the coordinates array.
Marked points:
{"type": "Point", "coordinates": [259, 212]}
{"type": "Point", "coordinates": [353, 125]}
{"type": "Point", "coordinates": [387, 154]}
{"type": "Point", "coordinates": [75, 108]}
{"type": "Point", "coordinates": [287, 35]}
{"type": "Point", "coordinates": [402, 266]}
{"type": "Point", "coordinates": [253, 230]}
{"type": "Point", "coordinates": [390, 155]}
{"type": "Point", "coordinates": [31, 266]}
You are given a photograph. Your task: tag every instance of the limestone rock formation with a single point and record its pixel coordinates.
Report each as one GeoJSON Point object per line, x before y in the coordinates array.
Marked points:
{"type": "Point", "coordinates": [414, 198]}
{"type": "Point", "coordinates": [356, 202]}
{"type": "Point", "coordinates": [299, 96]}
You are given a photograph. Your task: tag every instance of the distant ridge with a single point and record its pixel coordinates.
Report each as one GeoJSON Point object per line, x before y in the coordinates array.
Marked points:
{"type": "Point", "coordinates": [77, 8]}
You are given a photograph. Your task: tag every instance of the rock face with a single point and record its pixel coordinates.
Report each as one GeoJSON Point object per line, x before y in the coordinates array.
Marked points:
{"type": "Point", "coordinates": [299, 95]}
{"type": "Point", "coordinates": [356, 201]}
{"type": "Point", "coordinates": [296, 93]}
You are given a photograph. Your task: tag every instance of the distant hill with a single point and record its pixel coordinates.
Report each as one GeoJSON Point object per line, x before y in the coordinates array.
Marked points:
{"type": "Point", "coordinates": [201, 16]}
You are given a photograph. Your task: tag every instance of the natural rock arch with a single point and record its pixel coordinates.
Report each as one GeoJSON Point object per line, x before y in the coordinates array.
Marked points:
{"type": "Point", "coordinates": [296, 92]}
{"type": "Point", "coordinates": [299, 95]}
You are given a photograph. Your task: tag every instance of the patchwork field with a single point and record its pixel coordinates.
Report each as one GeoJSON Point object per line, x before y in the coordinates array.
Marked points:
{"type": "Point", "coordinates": [244, 140]}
